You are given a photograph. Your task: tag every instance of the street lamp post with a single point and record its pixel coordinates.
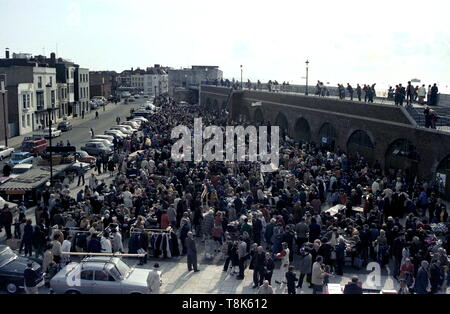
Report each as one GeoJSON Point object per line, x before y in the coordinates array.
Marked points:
{"type": "Point", "coordinates": [3, 91]}
{"type": "Point", "coordinates": [307, 70]}
{"type": "Point", "coordinates": [242, 86]}
{"type": "Point", "coordinates": [49, 110]}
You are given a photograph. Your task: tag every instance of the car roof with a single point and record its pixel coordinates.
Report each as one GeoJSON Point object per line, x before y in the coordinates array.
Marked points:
{"type": "Point", "coordinates": [21, 153]}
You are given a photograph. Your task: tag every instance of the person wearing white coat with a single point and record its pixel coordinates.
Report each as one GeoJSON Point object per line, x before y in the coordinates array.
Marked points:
{"type": "Point", "coordinates": [106, 243]}
{"type": "Point", "coordinates": [154, 280]}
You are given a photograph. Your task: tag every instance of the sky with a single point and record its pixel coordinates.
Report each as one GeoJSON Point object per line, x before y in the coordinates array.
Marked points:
{"type": "Point", "coordinates": [345, 41]}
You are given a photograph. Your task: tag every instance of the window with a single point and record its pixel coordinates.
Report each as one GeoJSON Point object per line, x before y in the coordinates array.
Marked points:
{"type": "Point", "coordinates": [28, 120]}
{"type": "Point", "coordinates": [39, 81]}
{"type": "Point", "coordinates": [23, 121]}
{"type": "Point", "coordinates": [87, 275]}
{"type": "Point", "coordinates": [103, 276]}
{"type": "Point", "coordinates": [40, 99]}
{"type": "Point", "coordinates": [51, 80]}
{"type": "Point", "coordinates": [53, 98]}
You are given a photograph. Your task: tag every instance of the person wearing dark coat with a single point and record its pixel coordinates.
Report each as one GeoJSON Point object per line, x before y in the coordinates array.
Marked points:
{"type": "Point", "coordinates": [191, 251]}
{"type": "Point", "coordinates": [269, 266]}
{"type": "Point", "coordinates": [183, 236]}
{"type": "Point", "coordinates": [436, 276]}
{"type": "Point", "coordinates": [257, 230]}
{"type": "Point", "coordinates": [314, 231]}
{"type": "Point", "coordinates": [94, 245]}
{"type": "Point", "coordinates": [143, 245]}
{"type": "Point", "coordinates": [353, 287]}
{"type": "Point", "coordinates": [27, 238]}
{"type": "Point", "coordinates": [291, 278]}
{"type": "Point", "coordinates": [6, 220]}
{"type": "Point", "coordinates": [259, 260]}
{"type": "Point", "coordinates": [422, 279]}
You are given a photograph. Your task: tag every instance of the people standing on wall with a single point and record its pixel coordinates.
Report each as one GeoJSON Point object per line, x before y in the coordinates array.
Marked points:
{"type": "Point", "coordinates": [350, 90]}
{"type": "Point", "coordinates": [358, 92]}
{"type": "Point", "coordinates": [434, 94]}
{"type": "Point", "coordinates": [365, 89]}
{"type": "Point", "coordinates": [409, 94]}
{"type": "Point", "coordinates": [421, 93]}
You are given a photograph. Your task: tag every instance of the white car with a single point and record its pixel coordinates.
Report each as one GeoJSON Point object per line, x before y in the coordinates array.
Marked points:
{"type": "Point", "coordinates": [104, 137]}
{"type": "Point", "coordinates": [134, 125]}
{"type": "Point", "coordinates": [128, 127]}
{"type": "Point", "coordinates": [116, 133]}
{"type": "Point", "coordinates": [55, 133]}
{"type": "Point", "coordinates": [17, 170]}
{"type": "Point", "coordinates": [122, 129]}
{"type": "Point", "coordinates": [105, 142]}
{"type": "Point", "coordinates": [141, 119]}
{"type": "Point", "coordinates": [100, 275]}
{"type": "Point", "coordinates": [5, 152]}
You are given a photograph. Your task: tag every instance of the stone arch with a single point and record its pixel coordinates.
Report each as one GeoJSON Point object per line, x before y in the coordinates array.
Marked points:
{"type": "Point", "coordinates": [402, 154]}
{"type": "Point", "coordinates": [282, 122]}
{"type": "Point", "coordinates": [259, 115]}
{"type": "Point", "coordinates": [328, 136]}
{"type": "Point", "coordinates": [360, 142]}
{"type": "Point", "coordinates": [302, 130]}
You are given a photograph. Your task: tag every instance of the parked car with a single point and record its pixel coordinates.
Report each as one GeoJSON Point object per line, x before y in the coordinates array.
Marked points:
{"type": "Point", "coordinates": [104, 137]}
{"type": "Point", "coordinates": [117, 134]}
{"type": "Point", "coordinates": [122, 129]}
{"type": "Point", "coordinates": [145, 96]}
{"type": "Point", "coordinates": [141, 119]}
{"type": "Point", "coordinates": [100, 275]}
{"type": "Point", "coordinates": [12, 268]}
{"type": "Point", "coordinates": [75, 167]}
{"type": "Point", "coordinates": [45, 133]}
{"type": "Point", "coordinates": [19, 169]}
{"type": "Point", "coordinates": [105, 142]}
{"type": "Point", "coordinates": [5, 152]}
{"type": "Point", "coordinates": [83, 156]}
{"type": "Point", "coordinates": [96, 149]}
{"type": "Point", "coordinates": [65, 126]}
{"type": "Point", "coordinates": [134, 125]}
{"type": "Point", "coordinates": [93, 104]}
{"type": "Point", "coordinates": [18, 158]}
{"type": "Point", "coordinates": [34, 145]}
{"type": "Point", "coordinates": [128, 127]}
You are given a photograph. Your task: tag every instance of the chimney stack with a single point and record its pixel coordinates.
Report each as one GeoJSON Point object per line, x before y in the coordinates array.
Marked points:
{"type": "Point", "coordinates": [52, 59]}
{"type": "Point", "coordinates": [7, 53]}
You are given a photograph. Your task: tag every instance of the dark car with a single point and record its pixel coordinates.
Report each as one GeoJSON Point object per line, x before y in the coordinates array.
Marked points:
{"type": "Point", "coordinates": [65, 126]}
{"type": "Point", "coordinates": [12, 268]}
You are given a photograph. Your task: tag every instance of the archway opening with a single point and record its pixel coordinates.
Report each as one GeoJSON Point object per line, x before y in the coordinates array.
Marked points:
{"type": "Point", "coordinates": [259, 116]}
{"type": "Point", "coordinates": [302, 131]}
{"type": "Point", "coordinates": [282, 122]}
{"type": "Point", "coordinates": [359, 143]}
{"type": "Point", "coordinates": [402, 159]}
{"type": "Point", "coordinates": [328, 136]}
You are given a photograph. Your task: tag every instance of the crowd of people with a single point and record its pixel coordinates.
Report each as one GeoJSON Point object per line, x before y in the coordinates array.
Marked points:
{"type": "Point", "coordinates": [260, 221]}
{"type": "Point", "coordinates": [414, 94]}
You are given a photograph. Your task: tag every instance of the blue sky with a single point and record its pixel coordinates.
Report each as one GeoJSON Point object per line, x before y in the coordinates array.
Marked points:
{"type": "Point", "coordinates": [345, 41]}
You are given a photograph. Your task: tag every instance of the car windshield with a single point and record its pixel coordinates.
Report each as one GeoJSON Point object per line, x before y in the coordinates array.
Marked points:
{"type": "Point", "coordinates": [6, 256]}
{"type": "Point", "coordinates": [18, 157]}
{"type": "Point", "coordinates": [124, 269]}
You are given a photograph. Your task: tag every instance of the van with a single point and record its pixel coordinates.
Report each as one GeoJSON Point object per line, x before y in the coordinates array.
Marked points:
{"type": "Point", "coordinates": [34, 145]}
